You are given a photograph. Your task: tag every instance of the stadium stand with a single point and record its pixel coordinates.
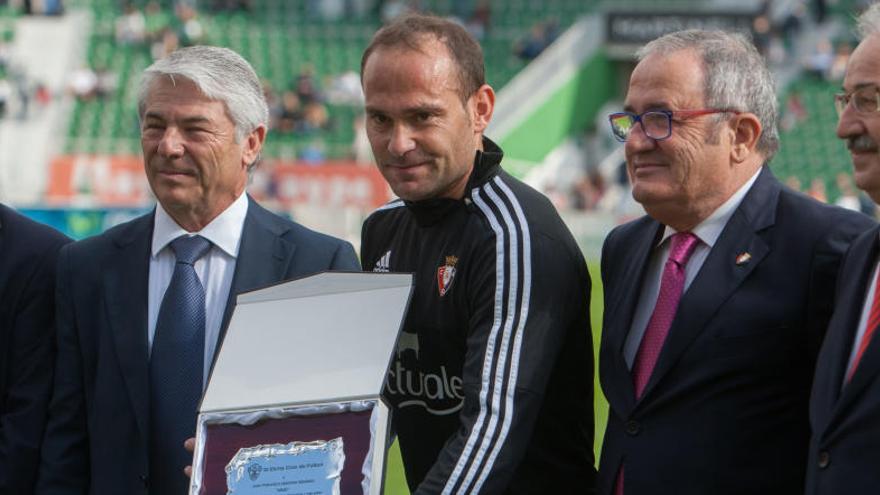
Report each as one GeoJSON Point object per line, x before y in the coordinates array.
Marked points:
{"type": "Point", "coordinates": [280, 38]}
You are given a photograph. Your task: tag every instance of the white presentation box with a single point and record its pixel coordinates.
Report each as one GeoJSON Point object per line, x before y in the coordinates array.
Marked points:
{"type": "Point", "coordinates": [294, 405]}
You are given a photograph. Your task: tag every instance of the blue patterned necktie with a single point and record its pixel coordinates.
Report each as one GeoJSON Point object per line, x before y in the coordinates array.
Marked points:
{"type": "Point", "coordinates": [176, 369]}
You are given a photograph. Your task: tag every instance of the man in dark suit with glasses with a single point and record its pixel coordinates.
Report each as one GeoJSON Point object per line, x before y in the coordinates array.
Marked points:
{"type": "Point", "coordinates": [716, 302]}
{"type": "Point", "coordinates": [845, 405]}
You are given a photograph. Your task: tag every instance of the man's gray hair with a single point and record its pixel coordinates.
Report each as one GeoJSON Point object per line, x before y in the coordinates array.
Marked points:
{"type": "Point", "coordinates": [737, 77]}
{"type": "Point", "coordinates": [220, 74]}
{"type": "Point", "coordinates": [869, 21]}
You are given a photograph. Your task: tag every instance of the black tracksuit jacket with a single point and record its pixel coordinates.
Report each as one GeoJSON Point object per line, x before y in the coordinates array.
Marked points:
{"type": "Point", "coordinates": [492, 382]}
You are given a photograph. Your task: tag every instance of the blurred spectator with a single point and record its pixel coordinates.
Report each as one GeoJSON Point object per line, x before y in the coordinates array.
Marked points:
{"type": "Point", "coordinates": [480, 18]}
{"type": "Point", "coordinates": [793, 19]}
{"type": "Point", "coordinates": [167, 43]}
{"type": "Point", "coordinates": [305, 85]}
{"type": "Point", "coordinates": [53, 7]}
{"type": "Point", "coordinates": [5, 96]}
{"type": "Point", "coordinates": [5, 54]}
{"type": "Point", "coordinates": [315, 118]}
{"type": "Point", "coordinates": [793, 182]}
{"type": "Point", "coordinates": [42, 96]}
{"type": "Point", "coordinates": [20, 82]}
{"type": "Point", "coordinates": [345, 89]}
{"type": "Point", "coordinates": [45, 7]}
{"type": "Point", "coordinates": [131, 26]}
{"type": "Point", "coordinates": [776, 51]}
{"type": "Point", "coordinates": [761, 33]}
{"type": "Point", "coordinates": [191, 31]}
{"type": "Point", "coordinates": [588, 191]}
{"type": "Point", "coordinates": [87, 84]}
{"type": "Point", "coordinates": [794, 112]}
{"type": "Point", "coordinates": [817, 190]}
{"type": "Point", "coordinates": [540, 36]}
{"type": "Point", "coordinates": [290, 114]}
{"type": "Point", "coordinates": [838, 66]}
{"type": "Point", "coordinates": [106, 82]}
{"type": "Point", "coordinates": [558, 198]}
{"type": "Point", "coordinates": [83, 83]}
{"type": "Point", "coordinates": [852, 198]}
{"type": "Point", "coordinates": [818, 62]}
{"type": "Point", "coordinates": [157, 21]}
{"type": "Point", "coordinates": [848, 198]}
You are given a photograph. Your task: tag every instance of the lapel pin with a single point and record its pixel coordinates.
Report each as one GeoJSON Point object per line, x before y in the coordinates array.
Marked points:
{"type": "Point", "coordinates": [743, 258]}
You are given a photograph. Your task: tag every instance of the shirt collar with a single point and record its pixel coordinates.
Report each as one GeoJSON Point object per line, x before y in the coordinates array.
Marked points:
{"type": "Point", "coordinates": [223, 231]}
{"type": "Point", "coordinates": [487, 164]}
{"type": "Point", "coordinates": [709, 230]}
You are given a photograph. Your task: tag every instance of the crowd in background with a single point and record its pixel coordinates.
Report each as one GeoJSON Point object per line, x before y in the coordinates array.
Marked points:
{"type": "Point", "coordinates": [303, 108]}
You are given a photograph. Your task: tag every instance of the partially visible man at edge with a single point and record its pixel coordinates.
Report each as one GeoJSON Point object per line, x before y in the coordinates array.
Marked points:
{"type": "Point", "coordinates": [716, 302]}
{"type": "Point", "coordinates": [845, 405]}
{"type": "Point", "coordinates": [28, 256]}
{"type": "Point", "coordinates": [143, 307]}
{"type": "Point", "coordinates": [492, 385]}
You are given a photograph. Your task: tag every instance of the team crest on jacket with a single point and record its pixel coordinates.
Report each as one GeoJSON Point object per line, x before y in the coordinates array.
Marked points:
{"type": "Point", "coordinates": [446, 274]}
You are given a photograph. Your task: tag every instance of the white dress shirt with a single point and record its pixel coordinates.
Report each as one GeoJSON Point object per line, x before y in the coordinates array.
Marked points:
{"type": "Point", "coordinates": [215, 269]}
{"type": "Point", "coordinates": [708, 232]}
{"type": "Point", "coordinates": [863, 321]}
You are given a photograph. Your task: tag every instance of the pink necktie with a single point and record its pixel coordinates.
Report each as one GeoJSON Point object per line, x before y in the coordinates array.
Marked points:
{"type": "Point", "coordinates": [671, 287]}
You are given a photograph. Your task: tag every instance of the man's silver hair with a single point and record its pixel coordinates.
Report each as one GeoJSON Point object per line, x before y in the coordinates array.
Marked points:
{"type": "Point", "coordinates": [869, 21]}
{"type": "Point", "coordinates": [737, 77]}
{"type": "Point", "coordinates": [219, 74]}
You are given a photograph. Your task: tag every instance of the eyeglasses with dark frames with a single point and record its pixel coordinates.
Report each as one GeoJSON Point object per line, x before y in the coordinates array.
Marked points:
{"type": "Point", "coordinates": [865, 99]}
{"type": "Point", "coordinates": [657, 124]}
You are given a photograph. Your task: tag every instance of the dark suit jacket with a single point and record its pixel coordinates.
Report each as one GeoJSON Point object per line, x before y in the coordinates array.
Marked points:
{"type": "Point", "coordinates": [845, 448]}
{"type": "Point", "coordinates": [28, 252]}
{"type": "Point", "coordinates": [725, 410]}
{"type": "Point", "coordinates": [96, 438]}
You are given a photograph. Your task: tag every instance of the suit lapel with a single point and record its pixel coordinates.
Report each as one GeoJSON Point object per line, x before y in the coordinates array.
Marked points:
{"type": "Point", "coordinates": [5, 290]}
{"type": "Point", "coordinates": [720, 274]}
{"type": "Point", "coordinates": [842, 340]}
{"type": "Point", "coordinates": [622, 307]}
{"type": "Point", "coordinates": [4, 251]}
{"type": "Point", "coordinates": [263, 257]}
{"type": "Point", "coordinates": [125, 290]}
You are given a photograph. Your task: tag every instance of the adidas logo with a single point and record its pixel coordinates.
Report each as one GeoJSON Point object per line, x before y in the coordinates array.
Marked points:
{"type": "Point", "coordinates": [383, 265]}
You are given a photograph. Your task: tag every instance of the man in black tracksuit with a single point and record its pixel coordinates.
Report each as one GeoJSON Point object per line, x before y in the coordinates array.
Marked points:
{"type": "Point", "coordinates": [492, 383]}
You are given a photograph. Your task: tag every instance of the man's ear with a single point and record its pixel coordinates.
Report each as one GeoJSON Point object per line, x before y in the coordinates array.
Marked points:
{"type": "Point", "coordinates": [746, 132]}
{"type": "Point", "coordinates": [253, 143]}
{"type": "Point", "coordinates": [481, 106]}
